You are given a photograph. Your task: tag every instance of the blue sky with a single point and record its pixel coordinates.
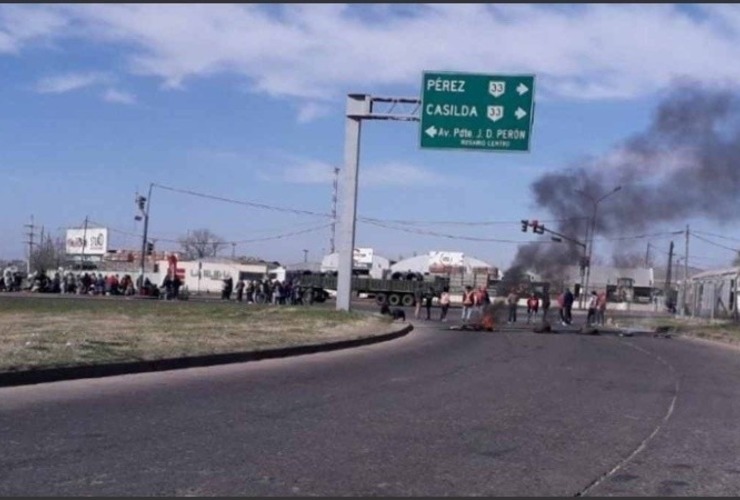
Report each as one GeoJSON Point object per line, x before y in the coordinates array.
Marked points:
{"type": "Point", "coordinates": [246, 102]}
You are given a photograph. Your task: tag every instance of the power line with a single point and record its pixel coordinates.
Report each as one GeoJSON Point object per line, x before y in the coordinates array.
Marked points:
{"type": "Point", "coordinates": [716, 235]}
{"type": "Point", "coordinates": [458, 223]}
{"type": "Point", "coordinates": [640, 236]}
{"type": "Point", "coordinates": [245, 203]}
{"type": "Point", "coordinates": [715, 243]}
{"type": "Point", "coordinates": [450, 236]}
{"type": "Point", "coordinates": [363, 219]}
{"type": "Point", "coordinates": [251, 240]}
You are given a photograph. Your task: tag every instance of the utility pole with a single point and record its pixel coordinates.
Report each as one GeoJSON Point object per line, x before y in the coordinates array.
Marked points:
{"type": "Point", "coordinates": [30, 235]}
{"type": "Point", "coordinates": [84, 241]}
{"type": "Point", "coordinates": [335, 188]}
{"type": "Point", "coordinates": [144, 204]}
{"type": "Point", "coordinates": [647, 255]}
{"type": "Point", "coordinates": [684, 286]}
{"type": "Point", "coordinates": [305, 255]}
{"type": "Point", "coordinates": [233, 251]}
{"type": "Point", "coordinates": [668, 275]}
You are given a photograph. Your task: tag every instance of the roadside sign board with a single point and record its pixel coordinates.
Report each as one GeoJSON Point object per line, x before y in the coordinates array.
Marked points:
{"type": "Point", "coordinates": [476, 112]}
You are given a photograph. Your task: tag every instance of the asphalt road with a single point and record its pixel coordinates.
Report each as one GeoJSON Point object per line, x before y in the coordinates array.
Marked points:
{"type": "Point", "coordinates": [437, 412]}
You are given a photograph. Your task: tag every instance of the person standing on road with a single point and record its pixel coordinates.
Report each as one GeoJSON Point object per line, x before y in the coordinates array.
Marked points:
{"type": "Point", "coordinates": [239, 290]}
{"type": "Point", "coordinates": [418, 296]}
{"type": "Point", "coordinates": [512, 300]}
{"type": "Point", "coordinates": [545, 304]}
{"type": "Point", "coordinates": [444, 303]}
{"type": "Point", "coordinates": [533, 305]}
{"type": "Point", "coordinates": [601, 309]}
{"type": "Point", "coordinates": [592, 305]}
{"type": "Point", "coordinates": [467, 304]}
{"type": "Point", "coordinates": [568, 305]}
{"type": "Point", "coordinates": [428, 298]}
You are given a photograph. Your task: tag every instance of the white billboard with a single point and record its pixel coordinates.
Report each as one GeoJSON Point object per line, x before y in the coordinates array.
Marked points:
{"type": "Point", "coordinates": [95, 240]}
{"type": "Point", "coordinates": [446, 259]}
{"type": "Point", "coordinates": [363, 256]}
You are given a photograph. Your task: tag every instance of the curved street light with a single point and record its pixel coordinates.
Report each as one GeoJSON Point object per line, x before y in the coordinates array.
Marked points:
{"type": "Point", "coordinates": [590, 236]}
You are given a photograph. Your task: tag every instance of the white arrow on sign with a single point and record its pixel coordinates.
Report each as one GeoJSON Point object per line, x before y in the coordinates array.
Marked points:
{"type": "Point", "coordinates": [520, 113]}
{"type": "Point", "coordinates": [522, 89]}
{"type": "Point", "coordinates": [431, 131]}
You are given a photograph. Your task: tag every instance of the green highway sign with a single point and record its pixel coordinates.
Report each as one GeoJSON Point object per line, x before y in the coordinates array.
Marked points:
{"type": "Point", "coordinates": [479, 112]}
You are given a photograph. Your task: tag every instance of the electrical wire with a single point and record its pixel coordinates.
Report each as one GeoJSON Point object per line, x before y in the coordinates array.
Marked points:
{"type": "Point", "coordinates": [450, 236]}
{"type": "Point", "coordinates": [245, 203]}
{"type": "Point", "coordinates": [715, 235]}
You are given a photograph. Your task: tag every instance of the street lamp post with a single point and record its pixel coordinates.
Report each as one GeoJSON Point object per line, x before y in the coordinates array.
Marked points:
{"type": "Point", "coordinates": [144, 204]}
{"type": "Point", "coordinates": [591, 233]}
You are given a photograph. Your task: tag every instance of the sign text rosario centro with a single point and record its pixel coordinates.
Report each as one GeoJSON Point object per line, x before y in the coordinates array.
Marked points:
{"type": "Point", "coordinates": [480, 112]}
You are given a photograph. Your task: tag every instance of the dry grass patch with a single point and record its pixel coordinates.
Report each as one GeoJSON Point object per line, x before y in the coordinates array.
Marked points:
{"type": "Point", "coordinates": [48, 332]}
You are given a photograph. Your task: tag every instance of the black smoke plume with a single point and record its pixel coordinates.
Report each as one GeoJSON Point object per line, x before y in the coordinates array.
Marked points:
{"type": "Point", "coordinates": [686, 164]}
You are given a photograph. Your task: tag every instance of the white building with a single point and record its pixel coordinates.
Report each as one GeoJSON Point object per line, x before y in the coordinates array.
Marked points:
{"type": "Point", "coordinates": [207, 275]}
{"type": "Point", "coordinates": [443, 262]}
{"type": "Point", "coordinates": [366, 261]}
{"type": "Point", "coordinates": [711, 294]}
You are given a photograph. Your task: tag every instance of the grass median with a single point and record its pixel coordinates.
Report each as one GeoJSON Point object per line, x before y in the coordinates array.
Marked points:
{"type": "Point", "coordinates": [52, 331]}
{"type": "Point", "coordinates": [726, 331]}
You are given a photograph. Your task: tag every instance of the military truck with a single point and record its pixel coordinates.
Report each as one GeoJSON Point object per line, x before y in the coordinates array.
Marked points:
{"type": "Point", "coordinates": [398, 292]}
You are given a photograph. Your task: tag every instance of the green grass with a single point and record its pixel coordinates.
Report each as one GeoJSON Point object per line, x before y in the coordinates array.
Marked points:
{"type": "Point", "coordinates": [49, 331]}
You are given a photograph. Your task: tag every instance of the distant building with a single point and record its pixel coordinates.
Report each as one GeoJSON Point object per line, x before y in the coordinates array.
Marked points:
{"type": "Point", "coordinates": [711, 294]}
{"type": "Point", "coordinates": [444, 263]}
{"type": "Point", "coordinates": [631, 283]}
{"type": "Point", "coordinates": [207, 275]}
{"type": "Point", "coordinates": [365, 262]}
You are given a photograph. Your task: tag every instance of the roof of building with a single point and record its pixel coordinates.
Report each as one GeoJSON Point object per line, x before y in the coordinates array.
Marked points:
{"type": "Point", "coordinates": [712, 273]}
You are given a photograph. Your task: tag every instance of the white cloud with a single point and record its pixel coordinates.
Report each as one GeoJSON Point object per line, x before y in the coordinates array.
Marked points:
{"type": "Point", "coordinates": [391, 174]}
{"type": "Point", "coordinates": [308, 172]}
{"type": "Point", "coordinates": [117, 96]}
{"type": "Point", "coordinates": [22, 24]}
{"type": "Point", "coordinates": [402, 175]}
{"type": "Point", "coordinates": [60, 84]}
{"type": "Point", "coordinates": [320, 52]}
{"type": "Point", "coordinates": [311, 111]}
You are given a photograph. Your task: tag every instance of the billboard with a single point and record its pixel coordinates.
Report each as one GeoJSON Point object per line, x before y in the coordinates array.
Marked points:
{"type": "Point", "coordinates": [445, 262]}
{"type": "Point", "coordinates": [363, 257]}
{"type": "Point", "coordinates": [94, 239]}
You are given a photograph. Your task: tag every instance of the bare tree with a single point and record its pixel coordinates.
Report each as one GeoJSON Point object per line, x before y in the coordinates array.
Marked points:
{"type": "Point", "coordinates": [48, 254]}
{"type": "Point", "coordinates": [201, 243]}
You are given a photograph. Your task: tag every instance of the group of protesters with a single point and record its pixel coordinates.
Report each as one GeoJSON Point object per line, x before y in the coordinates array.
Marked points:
{"type": "Point", "coordinates": [266, 291]}
{"type": "Point", "coordinates": [535, 301]}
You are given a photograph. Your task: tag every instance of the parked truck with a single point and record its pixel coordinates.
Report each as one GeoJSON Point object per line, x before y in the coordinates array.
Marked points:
{"type": "Point", "coordinates": [397, 292]}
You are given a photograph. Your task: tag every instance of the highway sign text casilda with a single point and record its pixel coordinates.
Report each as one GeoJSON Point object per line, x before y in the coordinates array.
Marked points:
{"type": "Point", "coordinates": [479, 112]}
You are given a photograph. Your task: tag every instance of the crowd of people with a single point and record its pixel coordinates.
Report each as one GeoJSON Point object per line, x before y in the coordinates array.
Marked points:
{"type": "Point", "coordinates": [266, 291]}
{"type": "Point", "coordinates": [538, 305]}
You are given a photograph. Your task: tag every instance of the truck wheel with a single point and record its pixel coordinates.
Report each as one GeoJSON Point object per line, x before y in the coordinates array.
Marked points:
{"type": "Point", "coordinates": [394, 299]}
{"type": "Point", "coordinates": [380, 298]}
{"type": "Point", "coordinates": [407, 300]}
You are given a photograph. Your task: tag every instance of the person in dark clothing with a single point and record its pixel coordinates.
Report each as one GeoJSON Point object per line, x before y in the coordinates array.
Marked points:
{"type": "Point", "coordinates": [568, 306]}
{"type": "Point", "coordinates": [545, 305]}
{"type": "Point", "coordinates": [227, 289]}
{"type": "Point", "coordinates": [428, 298]}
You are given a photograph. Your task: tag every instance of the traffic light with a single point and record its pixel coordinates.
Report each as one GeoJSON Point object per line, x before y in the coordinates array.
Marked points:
{"type": "Point", "coordinates": [149, 248]}
{"type": "Point", "coordinates": [525, 223]}
{"type": "Point", "coordinates": [537, 228]}
{"type": "Point", "coordinates": [141, 200]}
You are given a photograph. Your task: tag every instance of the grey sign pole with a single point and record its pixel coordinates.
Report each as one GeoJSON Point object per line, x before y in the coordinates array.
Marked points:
{"type": "Point", "coordinates": [357, 106]}
{"type": "Point", "coordinates": [360, 107]}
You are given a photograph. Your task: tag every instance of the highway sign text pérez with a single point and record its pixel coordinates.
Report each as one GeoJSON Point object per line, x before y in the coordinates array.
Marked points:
{"type": "Point", "coordinates": [480, 112]}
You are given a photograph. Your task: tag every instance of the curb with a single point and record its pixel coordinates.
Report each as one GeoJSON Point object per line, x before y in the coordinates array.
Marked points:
{"type": "Point", "coordinates": [9, 379]}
